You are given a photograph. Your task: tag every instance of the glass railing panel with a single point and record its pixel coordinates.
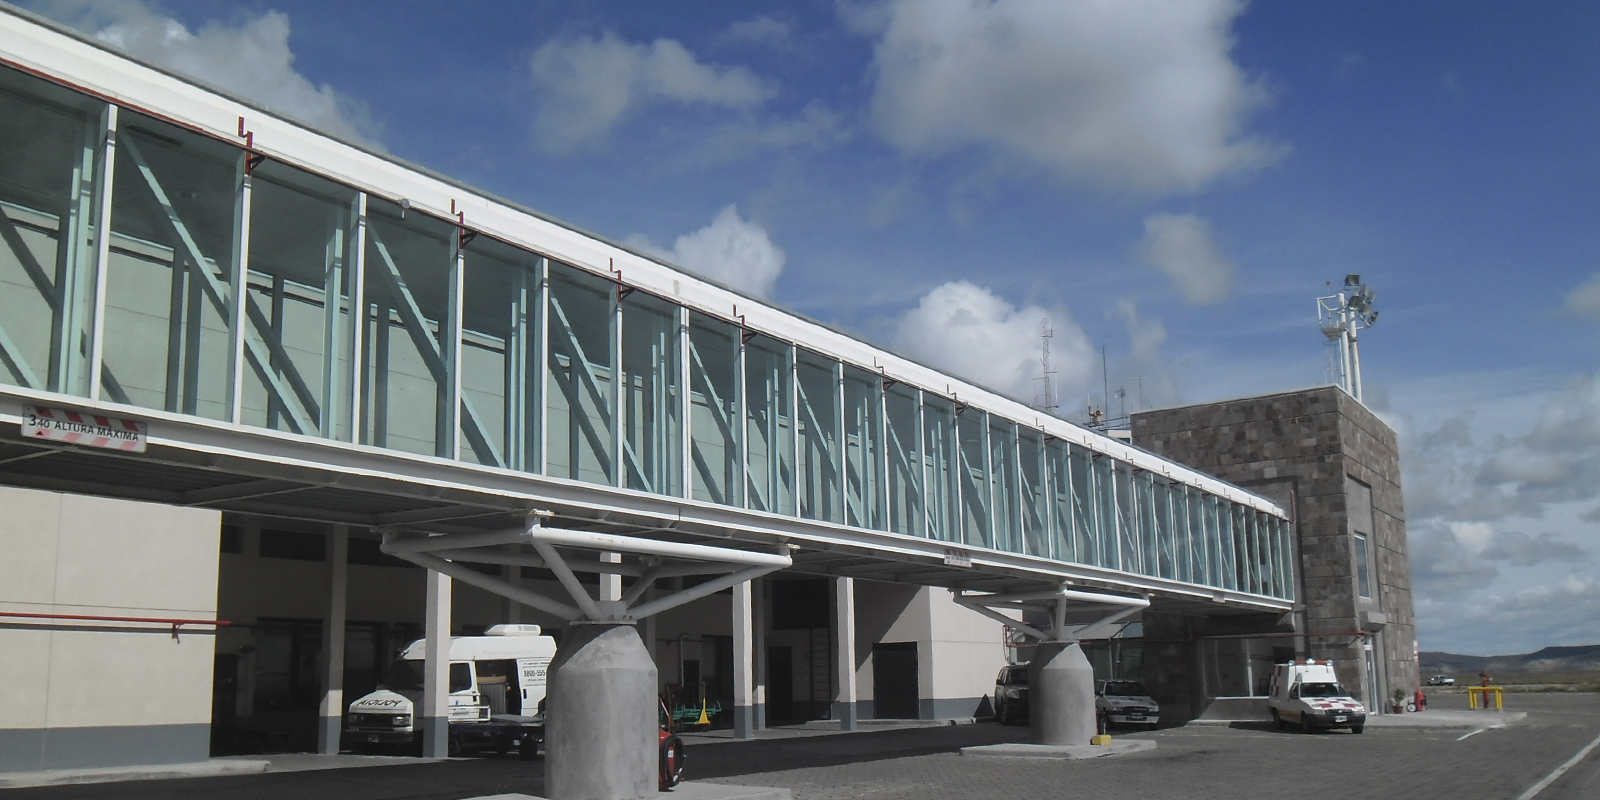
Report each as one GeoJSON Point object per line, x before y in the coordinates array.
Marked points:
{"type": "Point", "coordinates": [715, 467]}
{"type": "Point", "coordinates": [170, 279]}
{"type": "Point", "coordinates": [51, 159]}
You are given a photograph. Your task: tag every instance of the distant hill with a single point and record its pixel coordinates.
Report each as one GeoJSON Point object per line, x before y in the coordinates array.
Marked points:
{"type": "Point", "coordinates": [1551, 659]}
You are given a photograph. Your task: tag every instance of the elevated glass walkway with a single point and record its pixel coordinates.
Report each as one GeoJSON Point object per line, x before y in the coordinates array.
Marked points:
{"type": "Point", "coordinates": [316, 331]}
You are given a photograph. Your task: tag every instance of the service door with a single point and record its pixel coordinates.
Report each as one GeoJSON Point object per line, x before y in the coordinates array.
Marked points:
{"type": "Point", "coordinates": [894, 680]}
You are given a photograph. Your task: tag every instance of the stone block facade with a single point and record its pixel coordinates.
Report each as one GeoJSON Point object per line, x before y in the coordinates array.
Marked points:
{"type": "Point", "coordinates": [1335, 466]}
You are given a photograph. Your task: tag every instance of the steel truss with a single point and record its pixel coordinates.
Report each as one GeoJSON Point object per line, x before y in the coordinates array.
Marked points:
{"type": "Point", "coordinates": [652, 559]}
{"type": "Point", "coordinates": [1102, 611]}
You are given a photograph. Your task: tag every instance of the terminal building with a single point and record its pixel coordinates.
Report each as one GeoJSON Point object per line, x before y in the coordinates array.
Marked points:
{"type": "Point", "coordinates": [240, 360]}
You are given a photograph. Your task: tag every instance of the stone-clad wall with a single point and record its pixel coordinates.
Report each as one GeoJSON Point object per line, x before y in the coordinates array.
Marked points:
{"type": "Point", "coordinates": [1297, 448]}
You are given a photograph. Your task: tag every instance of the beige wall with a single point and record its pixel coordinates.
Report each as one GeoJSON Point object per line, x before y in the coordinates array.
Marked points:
{"type": "Point", "coordinates": [959, 651]}
{"type": "Point", "coordinates": [112, 693]}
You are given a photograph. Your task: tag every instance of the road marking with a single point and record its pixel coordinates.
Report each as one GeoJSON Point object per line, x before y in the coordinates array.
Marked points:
{"type": "Point", "coordinates": [1474, 733]}
{"type": "Point", "coordinates": [1535, 789]}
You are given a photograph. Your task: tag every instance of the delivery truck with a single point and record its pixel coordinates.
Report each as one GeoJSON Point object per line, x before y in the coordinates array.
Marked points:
{"type": "Point", "coordinates": [496, 682]}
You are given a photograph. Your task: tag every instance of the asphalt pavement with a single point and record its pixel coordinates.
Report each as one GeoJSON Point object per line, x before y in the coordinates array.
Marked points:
{"type": "Point", "coordinates": [1552, 754]}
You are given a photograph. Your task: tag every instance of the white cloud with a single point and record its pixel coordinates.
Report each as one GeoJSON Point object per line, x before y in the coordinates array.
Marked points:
{"type": "Point", "coordinates": [969, 331]}
{"type": "Point", "coordinates": [731, 250]}
{"type": "Point", "coordinates": [1145, 336]}
{"type": "Point", "coordinates": [1181, 246]}
{"type": "Point", "coordinates": [588, 85]}
{"type": "Point", "coordinates": [1130, 95]}
{"type": "Point", "coordinates": [1584, 299]}
{"type": "Point", "coordinates": [763, 30]}
{"type": "Point", "coordinates": [1474, 536]}
{"type": "Point", "coordinates": [251, 59]}
{"type": "Point", "coordinates": [816, 127]}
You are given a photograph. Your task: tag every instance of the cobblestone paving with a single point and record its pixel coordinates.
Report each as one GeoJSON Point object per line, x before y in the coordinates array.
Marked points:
{"type": "Point", "coordinates": [1230, 763]}
{"type": "Point", "coordinates": [924, 764]}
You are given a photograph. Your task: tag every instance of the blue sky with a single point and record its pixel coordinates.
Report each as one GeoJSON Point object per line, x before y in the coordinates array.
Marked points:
{"type": "Point", "coordinates": [1174, 182]}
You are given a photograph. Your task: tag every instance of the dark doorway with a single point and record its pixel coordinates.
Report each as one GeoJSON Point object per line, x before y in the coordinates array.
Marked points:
{"type": "Point", "coordinates": [894, 680]}
{"type": "Point", "coordinates": [780, 685]}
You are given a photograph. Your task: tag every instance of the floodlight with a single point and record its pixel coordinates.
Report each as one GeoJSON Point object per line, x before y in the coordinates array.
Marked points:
{"type": "Point", "coordinates": [1352, 280]}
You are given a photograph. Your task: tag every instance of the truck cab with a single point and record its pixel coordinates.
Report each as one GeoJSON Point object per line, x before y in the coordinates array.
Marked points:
{"type": "Point", "coordinates": [1306, 692]}
{"type": "Point", "coordinates": [496, 682]}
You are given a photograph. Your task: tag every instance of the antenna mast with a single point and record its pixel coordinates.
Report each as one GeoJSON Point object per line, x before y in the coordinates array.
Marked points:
{"type": "Point", "coordinates": [1340, 316]}
{"type": "Point", "coordinates": [1045, 398]}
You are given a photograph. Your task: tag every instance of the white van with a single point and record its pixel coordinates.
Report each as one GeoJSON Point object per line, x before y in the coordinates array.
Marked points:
{"type": "Point", "coordinates": [1306, 691]}
{"type": "Point", "coordinates": [496, 683]}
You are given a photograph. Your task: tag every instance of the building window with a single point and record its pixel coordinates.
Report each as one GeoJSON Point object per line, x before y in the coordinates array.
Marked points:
{"type": "Point", "coordinates": [1363, 568]}
{"type": "Point", "coordinates": [1358, 505]}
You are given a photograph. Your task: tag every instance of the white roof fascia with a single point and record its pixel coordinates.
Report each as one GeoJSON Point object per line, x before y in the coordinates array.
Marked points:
{"type": "Point", "coordinates": [89, 66]}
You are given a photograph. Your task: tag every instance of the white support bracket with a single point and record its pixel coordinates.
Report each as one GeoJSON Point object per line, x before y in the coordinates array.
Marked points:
{"type": "Point", "coordinates": [1056, 603]}
{"type": "Point", "coordinates": [652, 559]}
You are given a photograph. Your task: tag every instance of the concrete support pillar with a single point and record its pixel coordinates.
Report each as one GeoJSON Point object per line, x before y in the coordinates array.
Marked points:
{"type": "Point", "coordinates": [1061, 695]}
{"type": "Point", "coordinates": [600, 716]}
{"type": "Point", "coordinates": [331, 710]}
{"type": "Point", "coordinates": [648, 630]}
{"type": "Point", "coordinates": [743, 663]}
{"type": "Point", "coordinates": [844, 632]}
{"type": "Point", "coordinates": [434, 715]}
{"type": "Point", "coordinates": [758, 615]}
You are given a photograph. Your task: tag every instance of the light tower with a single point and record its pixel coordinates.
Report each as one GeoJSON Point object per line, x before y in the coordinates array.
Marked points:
{"type": "Point", "coordinates": [1340, 316]}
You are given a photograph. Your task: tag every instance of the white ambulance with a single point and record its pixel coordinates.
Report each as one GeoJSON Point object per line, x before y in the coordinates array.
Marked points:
{"type": "Point", "coordinates": [1306, 692]}
{"type": "Point", "coordinates": [496, 682]}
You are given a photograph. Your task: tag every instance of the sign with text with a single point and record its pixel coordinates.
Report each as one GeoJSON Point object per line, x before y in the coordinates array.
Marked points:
{"type": "Point", "coordinates": [957, 558]}
{"type": "Point", "coordinates": [77, 427]}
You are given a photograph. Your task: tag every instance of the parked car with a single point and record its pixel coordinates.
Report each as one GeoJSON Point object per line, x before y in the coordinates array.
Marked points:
{"type": "Point", "coordinates": [1011, 694]}
{"type": "Point", "coordinates": [1126, 703]}
{"type": "Point", "coordinates": [1441, 680]}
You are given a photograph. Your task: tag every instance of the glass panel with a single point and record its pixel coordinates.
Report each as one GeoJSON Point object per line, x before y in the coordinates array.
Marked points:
{"type": "Point", "coordinates": [579, 437]}
{"type": "Point", "coordinates": [169, 283]}
{"type": "Point", "coordinates": [944, 479]}
{"type": "Point", "coordinates": [1219, 542]}
{"type": "Point", "coordinates": [1178, 495]}
{"type": "Point", "coordinates": [1286, 536]}
{"type": "Point", "coordinates": [50, 163]}
{"type": "Point", "coordinates": [652, 437]}
{"type": "Point", "coordinates": [1197, 537]}
{"type": "Point", "coordinates": [1036, 536]}
{"type": "Point", "coordinates": [714, 411]}
{"type": "Point", "coordinates": [768, 386]}
{"type": "Point", "coordinates": [1166, 533]}
{"type": "Point", "coordinates": [1106, 504]}
{"type": "Point", "coordinates": [502, 321]}
{"type": "Point", "coordinates": [1058, 495]}
{"type": "Point", "coordinates": [1261, 563]}
{"type": "Point", "coordinates": [1086, 530]}
{"type": "Point", "coordinates": [1227, 516]}
{"type": "Point", "coordinates": [1145, 518]}
{"type": "Point", "coordinates": [1264, 556]}
{"type": "Point", "coordinates": [863, 453]}
{"type": "Point", "coordinates": [408, 293]}
{"type": "Point", "coordinates": [973, 427]}
{"type": "Point", "coordinates": [1127, 518]}
{"type": "Point", "coordinates": [302, 265]}
{"type": "Point", "coordinates": [821, 458]}
{"type": "Point", "coordinates": [1003, 485]}
{"type": "Point", "coordinates": [905, 461]}
{"type": "Point", "coordinates": [1241, 549]}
